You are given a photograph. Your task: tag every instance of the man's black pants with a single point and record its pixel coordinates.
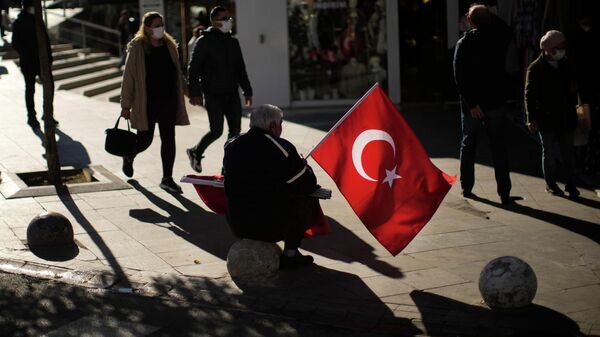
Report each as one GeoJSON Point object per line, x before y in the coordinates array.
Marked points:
{"type": "Point", "coordinates": [219, 106]}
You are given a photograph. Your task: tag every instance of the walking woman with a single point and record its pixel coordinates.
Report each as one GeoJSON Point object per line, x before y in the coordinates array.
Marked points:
{"type": "Point", "coordinates": [152, 93]}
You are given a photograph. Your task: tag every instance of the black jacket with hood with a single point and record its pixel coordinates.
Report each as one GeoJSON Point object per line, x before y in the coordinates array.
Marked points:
{"type": "Point", "coordinates": [217, 65]}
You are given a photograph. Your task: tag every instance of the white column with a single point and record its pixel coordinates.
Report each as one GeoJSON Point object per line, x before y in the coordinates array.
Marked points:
{"type": "Point", "coordinates": [263, 35]}
{"type": "Point", "coordinates": [452, 18]}
{"type": "Point", "coordinates": [393, 45]}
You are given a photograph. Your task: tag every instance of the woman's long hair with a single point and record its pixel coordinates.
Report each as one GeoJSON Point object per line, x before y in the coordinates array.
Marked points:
{"type": "Point", "coordinates": [146, 22]}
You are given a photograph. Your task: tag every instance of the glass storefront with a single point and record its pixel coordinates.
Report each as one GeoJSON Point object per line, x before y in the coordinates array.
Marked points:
{"type": "Point", "coordinates": [337, 48]}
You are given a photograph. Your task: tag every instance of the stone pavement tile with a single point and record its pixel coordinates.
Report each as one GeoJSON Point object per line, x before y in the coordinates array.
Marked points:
{"type": "Point", "coordinates": [467, 293]}
{"type": "Point", "coordinates": [466, 238]}
{"type": "Point", "coordinates": [148, 262]}
{"type": "Point", "coordinates": [111, 202]}
{"type": "Point", "coordinates": [442, 225]}
{"type": "Point", "coordinates": [468, 271]}
{"type": "Point", "coordinates": [431, 278]}
{"type": "Point", "coordinates": [386, 286]}
{"type": "Point", "coordinates": [8, 238]}
{"type": "Point", "coordinates": [404, 263]}
{"type": "Point", "coordinates": [167, 244]}
{"type": "Point", "coordinates": [188, 256]}
{"type": "Point", "coordinates": [111, 244]}
{"type": "Point", "coordinates": [588, 316]}
{"type": "Point", "coordinates": [20, 206]}
{"type": "Point", "coordinates": [442, 257]}
{"type": "Point", "coordinates": [210, 270]}
{"type": "Point", "coordinates": [51, 198]}
{"type": "Point", "coordinates": [570, 300]}
{"type": "Point", "coordinates": [64, 207]}
{"type": "Point", "coordinates": [354, 268]}
{"type": "Point", "coordinates": [563, 277]}
{"type": "Point", "coordinates": [17, 221]}
{"type": "Point", "coordinates": [589, 251]}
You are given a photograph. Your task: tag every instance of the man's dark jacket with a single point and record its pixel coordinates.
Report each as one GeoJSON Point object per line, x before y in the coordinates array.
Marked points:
{"type": "Point", "coordinates": [217, 65]}
{"type": "Point", "coordinates": [24, 41]}
{"type": "Point", "coordinates": [263, 174]}
{"type": "Point", "coordinates": [479, 66]}
{"type": "Point", "coordinates": [551, 96]}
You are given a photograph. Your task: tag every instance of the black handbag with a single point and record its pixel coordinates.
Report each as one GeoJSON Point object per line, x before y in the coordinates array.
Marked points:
{"type": "Point", "coordinates": [120, 142]}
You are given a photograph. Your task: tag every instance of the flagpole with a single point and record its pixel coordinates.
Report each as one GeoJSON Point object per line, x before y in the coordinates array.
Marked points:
{"type": "Point", "coordinates": [344, 117]}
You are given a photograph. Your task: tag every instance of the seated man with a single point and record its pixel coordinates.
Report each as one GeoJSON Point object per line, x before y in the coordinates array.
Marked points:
{"type": "Point", "coordinates": [267, 185]}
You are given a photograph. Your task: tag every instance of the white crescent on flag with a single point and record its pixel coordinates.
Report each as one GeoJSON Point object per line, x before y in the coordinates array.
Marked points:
{"type": "Point", "coordinates": [359, 145]}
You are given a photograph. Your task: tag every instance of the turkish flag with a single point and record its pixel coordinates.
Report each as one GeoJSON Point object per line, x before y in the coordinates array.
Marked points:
{"type": "Point", "coordinates": [383, 171]}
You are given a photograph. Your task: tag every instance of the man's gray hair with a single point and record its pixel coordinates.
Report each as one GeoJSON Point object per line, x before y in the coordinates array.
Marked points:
{"type": "Point", "coordinates": [264, 115]}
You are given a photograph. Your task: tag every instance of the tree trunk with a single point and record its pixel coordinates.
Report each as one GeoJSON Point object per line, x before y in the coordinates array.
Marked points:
{"type": "Point", "coordinates": [48, 85]}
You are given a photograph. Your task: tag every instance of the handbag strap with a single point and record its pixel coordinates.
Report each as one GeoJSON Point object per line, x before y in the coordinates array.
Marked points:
{"type": "Point", "coordinates": [117, 123]}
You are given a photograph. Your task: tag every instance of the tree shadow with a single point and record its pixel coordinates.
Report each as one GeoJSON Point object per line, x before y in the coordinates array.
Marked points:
{"type": "Point", "coordinates": [343, 245]}
{"type": "Point", "coordinates": [588, 229]}
{"type": "Point", "coordinates": [194, 224]}
{"type": "Point", "coordinates": [445, 316]}
{"type": "Point", "coordinates": [65, 197]}
{"type": "Point", "coordinates": [182, 306]}
{"type": "Point", "coordinates": [325, 296]}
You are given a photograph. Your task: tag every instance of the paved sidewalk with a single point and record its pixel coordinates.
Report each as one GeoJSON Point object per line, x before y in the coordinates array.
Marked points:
{"type": "Point", "coordinates": [160, 244]}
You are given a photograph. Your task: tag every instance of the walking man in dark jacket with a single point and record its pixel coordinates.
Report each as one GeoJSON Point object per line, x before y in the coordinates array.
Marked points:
{"type": "Point", "coordinates": [479, 74]}
{"type": "Point", "coordinates": [215, 72]}
{"type": "Point", "coordinates": [267, 185]}
{"type": "Point", "coordinates": [24, 40]}
{"type": "Point", "coordinates": [550, 99]}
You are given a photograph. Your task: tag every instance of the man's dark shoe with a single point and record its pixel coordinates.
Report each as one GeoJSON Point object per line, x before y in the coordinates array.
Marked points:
{"type": "Point", "coordinates": [194, 160]}
{"type": "Point", "coordinates": [507, 201]}
{"type": "Point", "coordinates": [295, 261]}
{"type": "Point", "coordinates": [169, 185]}
{"type": "Point", "coordinates": [573, 192]}
{"type": "Point", "coordinates": [33, 123]}
{"type": "Point", "coordinates": [554, 190]}
{"type": "Point", "coordinates": [128, 167]}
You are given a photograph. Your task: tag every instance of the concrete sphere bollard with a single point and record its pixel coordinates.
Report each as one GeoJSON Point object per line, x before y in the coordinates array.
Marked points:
{"type": "Point", "coordinates": [507, 282]}
{"type": "Point", "coordinates": [251, 261]}
{"type": "Point", "coordinates": [50, 229]}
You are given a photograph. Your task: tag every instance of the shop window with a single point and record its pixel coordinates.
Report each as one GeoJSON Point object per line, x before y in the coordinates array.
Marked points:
{"type": "Point", "coordinates": [337, 48]}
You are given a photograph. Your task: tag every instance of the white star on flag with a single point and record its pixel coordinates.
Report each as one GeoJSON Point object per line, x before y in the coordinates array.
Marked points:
{"type": "Point", "coordinates": [390, 176]}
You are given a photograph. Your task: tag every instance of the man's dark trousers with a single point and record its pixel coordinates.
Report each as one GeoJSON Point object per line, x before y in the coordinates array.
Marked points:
{"type": "Point", "coordinates": [217, 107]}
{"type": "Point", "coordinates": [29, 76]}
{"type": "Point", "coordinates": [494, 125]}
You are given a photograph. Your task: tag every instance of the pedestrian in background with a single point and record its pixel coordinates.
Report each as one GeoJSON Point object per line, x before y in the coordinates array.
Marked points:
{"type": "Point", "coordinates": [479, 72]}
{"type": "Point", "coordinates": [215, 72]}
{"type": "Point", "coordinates": [123, 26]}
{"type": "Point", "coordinates": [24, 41]}
{"type": "Point", "coordinates": [152, 93]}
{"type": "Point", "coordinates": [551, 99]}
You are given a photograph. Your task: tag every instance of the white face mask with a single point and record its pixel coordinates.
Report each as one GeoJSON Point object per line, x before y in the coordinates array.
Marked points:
{"type": "Point", "coordinates": [559, 54]}
{"type": "Point", "coordinates": [31, 10]}
{"type": "Point", "coordinates": [158, 33]}
{"type": "Point", "coordinates": [226, 26]}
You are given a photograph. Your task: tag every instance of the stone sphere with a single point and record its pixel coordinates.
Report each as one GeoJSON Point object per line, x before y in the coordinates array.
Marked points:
{"type": "Point", "coordinates": [251, 261]}
{"type": "Point", "coordinates": [507, 282]}
{"type": "Point", "coordinates": [50, 229]}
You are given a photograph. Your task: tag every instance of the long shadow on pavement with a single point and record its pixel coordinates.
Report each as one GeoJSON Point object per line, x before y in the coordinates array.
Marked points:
{"type": "Point", "coordinates": [69, 203]}
{"type": "Point", "coordinates": [448, 317]}
{"type": "Point", "coordinates": [320, 295]}
{"type": "Point", "coordinates": [588, 229]}
{"type": "Point", "coordinates": [194, 224]}
{"type": "Point", "coordinates": [343, 245]}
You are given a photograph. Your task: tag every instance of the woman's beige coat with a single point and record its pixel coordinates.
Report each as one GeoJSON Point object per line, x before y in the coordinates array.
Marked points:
{"type": "Point", "coordinates": [133, 89]}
